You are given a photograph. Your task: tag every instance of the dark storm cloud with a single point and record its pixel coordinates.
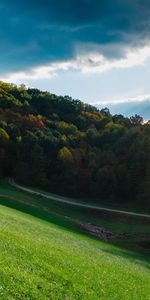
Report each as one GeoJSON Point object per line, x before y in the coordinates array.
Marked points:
{"type": "Point", "coordinates": [36, 32]}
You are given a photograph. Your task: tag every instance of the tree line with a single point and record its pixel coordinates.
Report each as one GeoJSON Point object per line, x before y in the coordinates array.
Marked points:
{"type": "Point", "coordinates": [72, 148]}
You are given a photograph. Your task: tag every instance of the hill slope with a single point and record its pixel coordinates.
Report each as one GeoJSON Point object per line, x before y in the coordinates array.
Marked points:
{"type": "Point", "coordinates": [43, 261]}
{"type": "Point", "coordinates": [66, 146]}
{"type": "Point", "coordinates": [128, 230]}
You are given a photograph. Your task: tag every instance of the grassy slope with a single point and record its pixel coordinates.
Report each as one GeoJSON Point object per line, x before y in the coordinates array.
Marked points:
{"type": "Point", "coordinates": [40, 260]}
{"type": "Point", "coordinates": [58, 213]}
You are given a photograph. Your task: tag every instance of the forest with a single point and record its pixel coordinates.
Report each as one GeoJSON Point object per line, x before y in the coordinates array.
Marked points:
{"type": "Point", "coordinates": [71, 148]}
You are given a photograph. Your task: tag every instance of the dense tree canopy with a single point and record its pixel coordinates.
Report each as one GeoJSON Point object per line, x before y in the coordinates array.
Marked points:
{"type": "Point", "coordinates": [70, 147]}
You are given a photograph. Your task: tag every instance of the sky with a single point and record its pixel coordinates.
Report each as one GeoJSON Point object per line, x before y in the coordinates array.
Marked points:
{"type": "Point", "coordinates": [94, 50]}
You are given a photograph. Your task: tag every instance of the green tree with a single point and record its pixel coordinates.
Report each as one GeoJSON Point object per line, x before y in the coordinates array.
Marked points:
{"type": "Point", "coordinates": [4, 135]}
{"type": "Point", "coordinates": [65, 155]}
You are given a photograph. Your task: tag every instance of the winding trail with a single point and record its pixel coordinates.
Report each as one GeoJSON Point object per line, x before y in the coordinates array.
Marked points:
{"type": "Point", "coordinates": [72, 202]}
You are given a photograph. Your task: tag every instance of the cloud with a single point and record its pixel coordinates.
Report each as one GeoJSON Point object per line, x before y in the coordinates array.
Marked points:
{"type": "Point", "coordinates": [86, 63]}
{"type": "Point", "coordinates": [130, 100]}
{"type": "Point", "coordinates": [36, 32]}
{"type": "Point", "coordinates": [98, 63]}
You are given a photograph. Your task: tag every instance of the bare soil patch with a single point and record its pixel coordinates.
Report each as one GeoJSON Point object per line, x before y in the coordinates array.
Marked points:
{"type": "Point", "coordinates": [107, 235]}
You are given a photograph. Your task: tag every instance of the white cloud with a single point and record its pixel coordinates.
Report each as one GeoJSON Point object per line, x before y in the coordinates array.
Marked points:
{"type": "Point", "coordinates": [93, 62]}
{"type": "Point", "coordinates": [96, 62]}
{"type": "Point", "coordinates": [136, 99]}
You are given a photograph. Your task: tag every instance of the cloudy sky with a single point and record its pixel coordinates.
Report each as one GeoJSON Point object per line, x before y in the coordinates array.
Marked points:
{"type": "Point", "coordinates": [94, 50]}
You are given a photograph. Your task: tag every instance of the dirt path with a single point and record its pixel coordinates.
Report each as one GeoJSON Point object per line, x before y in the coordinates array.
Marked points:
{"type": "Point", "coordinates": [70, 201]}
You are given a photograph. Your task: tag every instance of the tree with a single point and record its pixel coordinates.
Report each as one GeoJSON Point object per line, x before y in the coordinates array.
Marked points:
{"type": "Point", "coordinates": [65, 155]}
{"type": "Point", "coordinates": [4, 135]}
{"type": "Point", "coordinates": [106, 112]}
{"type": "Point", "coordinates": [136, 120]}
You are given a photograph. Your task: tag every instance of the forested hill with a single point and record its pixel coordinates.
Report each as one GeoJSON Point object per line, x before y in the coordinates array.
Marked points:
{"type": "Point", "coordinates": [64, 145]}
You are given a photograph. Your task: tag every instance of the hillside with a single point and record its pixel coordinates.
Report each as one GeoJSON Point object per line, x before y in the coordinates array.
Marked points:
{"type": "Point", "coordinates": [40, 260]}
{"type": "Point", "coordinates": [65, 146]}
{"type": "Point", "coordinates": [126, 229]}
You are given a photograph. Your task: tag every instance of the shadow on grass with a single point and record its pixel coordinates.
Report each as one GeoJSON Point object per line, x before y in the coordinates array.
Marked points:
{"type": "Point", "coordinates": [39, 213]}
{"type": "Point", "coordinates": [66, 223]}
{"type": "Point", "coordinates": [143, 260]}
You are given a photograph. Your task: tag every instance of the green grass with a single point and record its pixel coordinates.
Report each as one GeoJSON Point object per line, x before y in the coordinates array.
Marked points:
{"type": "Point", "coordinates": [65, 214]}
{"type": "Point", "coordinates": [40, 260]}
{"type": "Point", "coordinates": [124, 206]}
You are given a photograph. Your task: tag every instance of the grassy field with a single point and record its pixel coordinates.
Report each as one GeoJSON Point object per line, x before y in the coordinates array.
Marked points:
{"type": "Point", "coordinates": [45, 254]}
{"type": "Point", "coordinates": [66, 214]}
{"type": "Point", "coordinates": [40, 260]}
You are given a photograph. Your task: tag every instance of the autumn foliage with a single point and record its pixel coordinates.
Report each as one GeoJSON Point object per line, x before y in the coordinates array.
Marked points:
{"type": "Point", "coordinates": [72, 148]}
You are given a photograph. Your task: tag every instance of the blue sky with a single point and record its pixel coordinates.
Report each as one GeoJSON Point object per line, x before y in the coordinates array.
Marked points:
{"type": "Point", "coordinates": [96, 51]}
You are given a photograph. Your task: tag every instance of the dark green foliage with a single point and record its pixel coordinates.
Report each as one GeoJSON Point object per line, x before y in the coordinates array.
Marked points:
{"type": "Point", "coordinates": [64, 145]}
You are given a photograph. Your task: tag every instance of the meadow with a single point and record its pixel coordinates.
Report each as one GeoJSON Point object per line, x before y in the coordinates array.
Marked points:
{"type": "Point", "coordinates": [44, 255]}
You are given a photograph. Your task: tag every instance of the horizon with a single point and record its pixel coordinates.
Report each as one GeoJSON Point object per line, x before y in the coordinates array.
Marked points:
{"type": "Point", "coordinates": [95, 51]}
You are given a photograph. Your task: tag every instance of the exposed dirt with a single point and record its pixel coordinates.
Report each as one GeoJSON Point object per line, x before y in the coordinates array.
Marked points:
{"type": "Point", "coordinates": [107, 235]}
